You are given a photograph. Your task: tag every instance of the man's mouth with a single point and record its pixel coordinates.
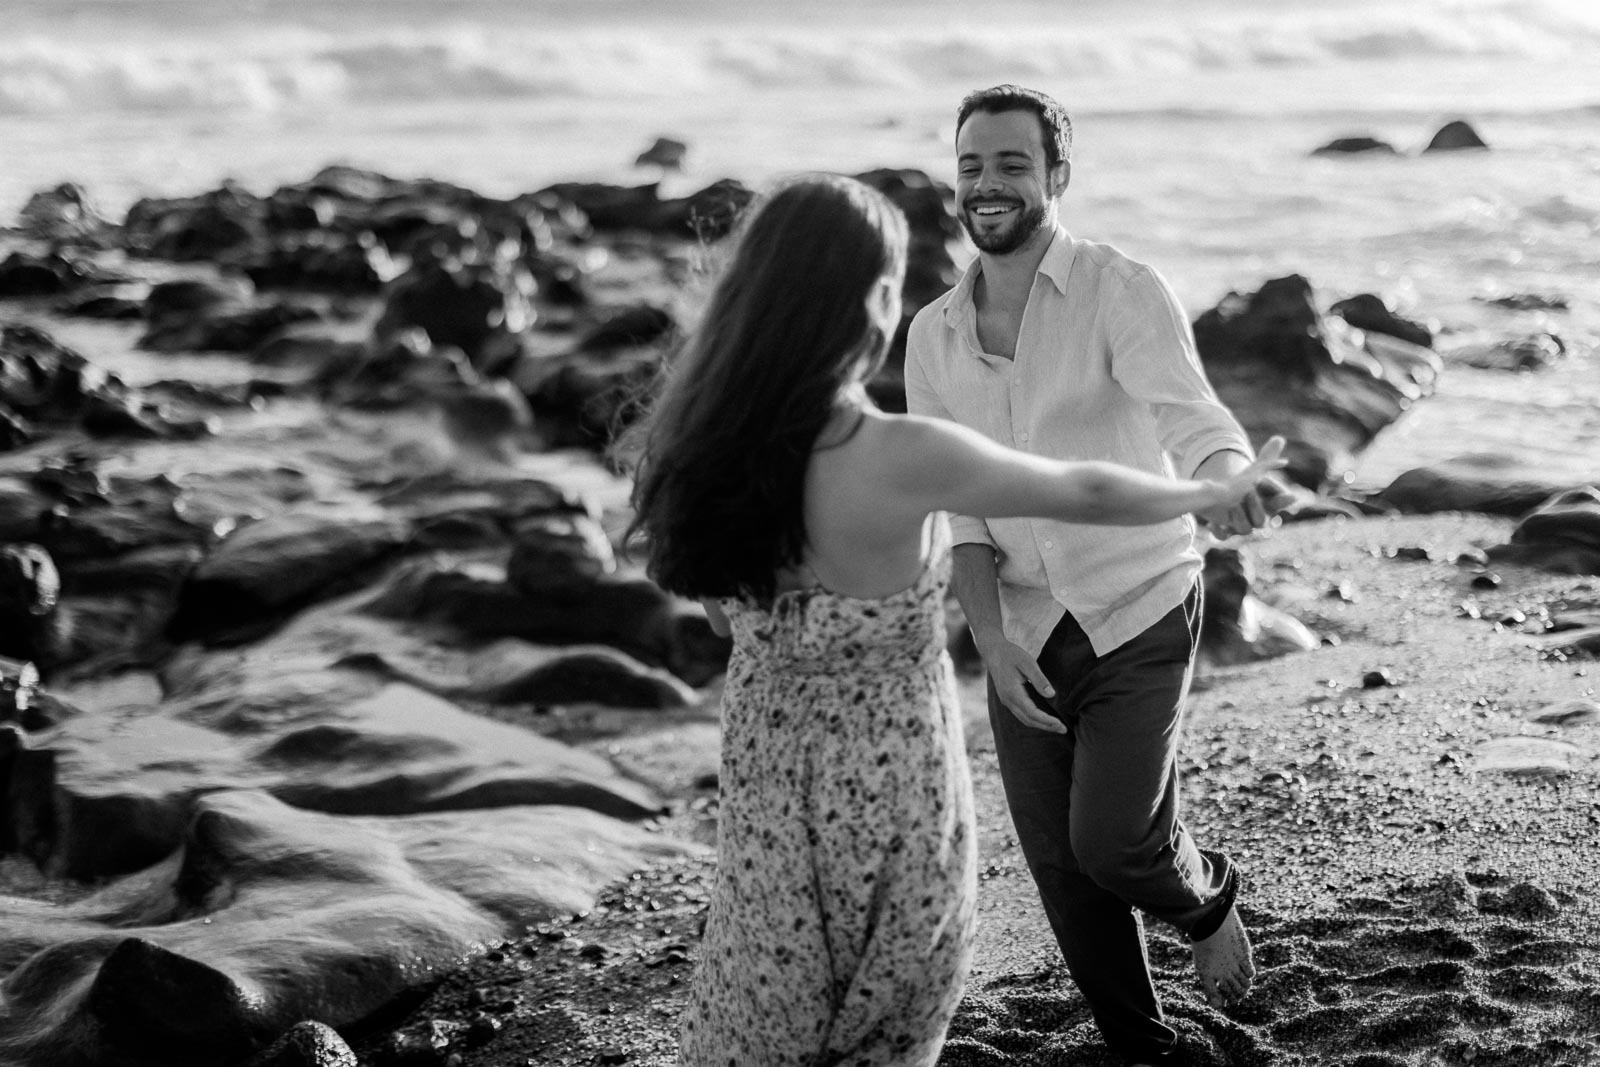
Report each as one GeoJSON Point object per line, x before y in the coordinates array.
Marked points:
{"type": "Point", "coordinates": [991, 210]}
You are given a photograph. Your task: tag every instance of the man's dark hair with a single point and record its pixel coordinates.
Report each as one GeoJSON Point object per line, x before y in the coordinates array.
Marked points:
{"type": "Point", "coordinates": [1054, 122]}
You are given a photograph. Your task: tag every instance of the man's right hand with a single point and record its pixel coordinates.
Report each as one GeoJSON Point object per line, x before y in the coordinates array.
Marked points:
{"type": "Point", "coordinates": [1012, 670]}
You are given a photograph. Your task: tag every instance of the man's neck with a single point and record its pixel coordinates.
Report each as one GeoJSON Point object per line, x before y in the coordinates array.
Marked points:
{"type": "Point", "coordinates": [1008, 278]}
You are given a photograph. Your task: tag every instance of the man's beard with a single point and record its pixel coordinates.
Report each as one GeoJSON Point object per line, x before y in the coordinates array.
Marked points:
{"type": "Point", "coordinates": [1003, 242]}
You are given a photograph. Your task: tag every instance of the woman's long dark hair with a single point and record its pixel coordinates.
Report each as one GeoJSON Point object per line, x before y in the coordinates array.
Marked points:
{"type": "Point", "coordinates": [722, 456]}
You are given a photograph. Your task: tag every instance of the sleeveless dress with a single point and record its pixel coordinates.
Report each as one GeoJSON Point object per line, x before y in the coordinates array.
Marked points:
{"type": "Point", "coordinates": [841, 918]}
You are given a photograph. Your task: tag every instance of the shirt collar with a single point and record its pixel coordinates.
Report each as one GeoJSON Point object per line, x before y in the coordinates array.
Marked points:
{"type": "Point", "coordinates": [1056, 265]}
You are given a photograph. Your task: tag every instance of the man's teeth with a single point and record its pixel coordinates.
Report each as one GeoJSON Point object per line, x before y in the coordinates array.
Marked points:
{"type": "Point", "coordinates": [998, 209]}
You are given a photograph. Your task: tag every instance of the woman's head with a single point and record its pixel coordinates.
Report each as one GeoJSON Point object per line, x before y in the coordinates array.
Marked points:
{"type": "Point", "coordinates": [804, 307]}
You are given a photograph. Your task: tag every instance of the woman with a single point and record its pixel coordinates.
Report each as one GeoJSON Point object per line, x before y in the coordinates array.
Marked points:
{"type": "Point", "coordinates": [807, 520]}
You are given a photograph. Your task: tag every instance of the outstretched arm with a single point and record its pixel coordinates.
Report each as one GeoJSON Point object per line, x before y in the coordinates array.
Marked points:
{"type": "Point", "coordinates": [944, 467]}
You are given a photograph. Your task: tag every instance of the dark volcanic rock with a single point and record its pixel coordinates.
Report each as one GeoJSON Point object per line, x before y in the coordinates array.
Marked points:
{"type": "Point", "coordinates": [307, 1044]}
{"type": "Point", "coordinates": [559, 554]}
{"type": "Point", "coordinates": [1454, 135]}
{"type": "Point", "coordinates": [593, 674]}
{"type": "Point", "coordinates": [319, 261]}
{"type": "Point", "coordinates": [1351, 145]}
{"type": "Point", "coordinates": [630, 614]}
{"type": "Point", "coordinates": [1238, 627]}
{"type": "Point", "coordinates": [1368, 312]}
{"type": "Point", "coordinates": [1486, 482]}
{"type": "Point", "coordinates": [584, 401]}
{"type": "Point", "coordinates": [195, 228]}
{"type": "Point", "coordinates": [50, 274]}
{"type": "Point", "coordinates": [64, 215]}
{"type": "Point", "coordinates": [479, 309]}
{"type": "Point", "coordinates": [32, 626]}
{"type": "Point", "coordinates": [277, 565]}
{"type": "Point", "coordinates": [1562, 534]}
{"type": "Point", "coordinates": [45, 383]}
{"type": "Point", "coordinates": [709, 213]}
{"type": "Point", "coordinates": [268, 916]}
{"type": "Point", "coordinates": [666, 153]}
{"type": "Point", "coordinates": [219, 315]}
{"type": "Point", "coordinates": [630, 327]}
{"type": "Point", "coordinates": [1533, 352]}
{"type": "Point", "coordinates": [1283, 368]}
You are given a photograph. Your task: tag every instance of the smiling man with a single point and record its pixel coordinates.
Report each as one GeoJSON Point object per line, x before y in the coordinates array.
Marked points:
{"type": "Point", "coordinates": [1070, 349]}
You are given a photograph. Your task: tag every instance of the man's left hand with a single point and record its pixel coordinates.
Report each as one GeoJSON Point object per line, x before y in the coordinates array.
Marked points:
{"type": "Point", "coordinates": [1252, 512]}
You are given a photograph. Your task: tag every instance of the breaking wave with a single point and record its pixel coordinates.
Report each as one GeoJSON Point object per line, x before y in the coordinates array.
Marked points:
{"type": "Point", "coordinates": [486, 52]}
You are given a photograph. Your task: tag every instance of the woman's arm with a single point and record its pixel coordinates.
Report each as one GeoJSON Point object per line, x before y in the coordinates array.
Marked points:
{"type": "Point", "coordinates": [940, 466]}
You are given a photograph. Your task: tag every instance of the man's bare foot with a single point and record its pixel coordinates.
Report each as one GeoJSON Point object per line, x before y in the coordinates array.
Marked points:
{"type": "Point", "coordinates": [1225, 963]}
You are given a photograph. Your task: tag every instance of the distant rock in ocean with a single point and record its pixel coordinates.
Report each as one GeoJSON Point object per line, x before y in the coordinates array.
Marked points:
{"type": "Point", "coordinates": [1342, 146]}
{"type": "Point", "coordinates": [1455, 135]}
{"type": "Point", "coordinates": [666, 153]}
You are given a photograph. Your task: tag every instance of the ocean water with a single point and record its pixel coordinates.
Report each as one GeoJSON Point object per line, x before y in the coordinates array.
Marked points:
{"type": "Point", "coordinates": [1194, 126]}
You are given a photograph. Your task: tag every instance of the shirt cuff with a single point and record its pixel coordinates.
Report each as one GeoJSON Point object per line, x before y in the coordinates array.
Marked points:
{"type": "Point", "coordinates": [1210, 446]}
{"type": "Point", "coordinates": [966, 530]}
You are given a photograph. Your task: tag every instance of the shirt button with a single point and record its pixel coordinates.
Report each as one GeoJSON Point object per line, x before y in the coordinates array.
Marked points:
{"type": "Point", "coordinates": [1049, 544]}
{"type": "Point", "coordinates": [1024, 437]}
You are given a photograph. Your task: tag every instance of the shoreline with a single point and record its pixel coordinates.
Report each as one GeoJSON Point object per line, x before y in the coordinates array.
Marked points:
{"type": "Point", "coordinates": [1406, 902]}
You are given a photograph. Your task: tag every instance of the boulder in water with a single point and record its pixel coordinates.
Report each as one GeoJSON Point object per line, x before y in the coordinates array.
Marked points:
{"type": "Point", "coordinates": [666, 153]}
{"type": "Point", "coordinates": [1454, 135]}
{"type": "Point", "coordinates": [1284, 368]}
{"type": "Point", "coordinates": [1533, 352]}
{"type": "Point", "coordinates": [1487, 482]}
{"type": "Point", "coordinates": [1344, 146]}
{"type": "Point", "coordinates": [1562, 534]}
{"type": "Point", "coordinates": [1365, 311]}
{"type": "Point", "coordinates": [64, 215]}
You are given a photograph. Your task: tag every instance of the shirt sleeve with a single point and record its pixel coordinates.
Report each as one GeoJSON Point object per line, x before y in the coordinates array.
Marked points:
{"type": "Point", "coordinates": [923, 399]}
{"type": "Point", "coordinates": [1153, 357]}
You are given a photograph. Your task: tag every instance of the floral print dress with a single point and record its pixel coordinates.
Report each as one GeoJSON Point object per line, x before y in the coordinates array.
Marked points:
{"type": "Point", "coordinates": [841, 919]}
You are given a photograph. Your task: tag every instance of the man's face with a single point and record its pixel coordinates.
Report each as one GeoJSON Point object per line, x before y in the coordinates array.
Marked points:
{"type": "Point", "coordinates": [1004, 187]}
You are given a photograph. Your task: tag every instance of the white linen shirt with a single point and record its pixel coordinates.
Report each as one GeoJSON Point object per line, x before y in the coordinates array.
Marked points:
{"type": "Point", "coordinates": [1105, 369]}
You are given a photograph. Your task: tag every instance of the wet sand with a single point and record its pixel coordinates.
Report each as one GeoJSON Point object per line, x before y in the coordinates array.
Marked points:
{"type": "Point", "coordinates": [1419, 888]}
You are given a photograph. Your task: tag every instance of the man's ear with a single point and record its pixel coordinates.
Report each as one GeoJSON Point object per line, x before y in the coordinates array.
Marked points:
{"type": "Point", "coordinates": [1060, 177]}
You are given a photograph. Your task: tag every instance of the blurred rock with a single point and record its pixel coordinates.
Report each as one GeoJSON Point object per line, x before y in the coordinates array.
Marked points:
{"type": "Point", "coordinates": [1366, 311]}
{"type": "Point", "coordinates": [50, 274]}
{"type": "Point", "coordinates": [1486, 482]}
{"type": "Point", "coordinates": [268, 916]}
{"type": "Point", "coordinates": [1284, 368]}
{"type": "Point", "coordinates": [1236, 625]}
{"type": "Point", "coordinates": [558, 554]}
{"type": "Point", "coordinates": [277, 565]}
{"type": "Point", "coordinates": [1562, 534]}
{"type": "Point", "coordinates": [1532, 352]}
{"type": "Point", "coordinates": [202, 227]}
{"type": "Point", "coordinates": [666, 153]}
{"type": "Point", "coordinates": [65, 215]}
{"type": "Point", "coordinates": [478, 309]}
{"type": "Point", "coordinates": [32, 625]}
{"type": "Point", "coordinates": [1455, 135]}
{"type": "Point", "coordinates": [1352, 145]}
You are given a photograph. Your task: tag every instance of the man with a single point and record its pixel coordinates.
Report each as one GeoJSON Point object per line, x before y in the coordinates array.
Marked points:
{"type": "Point", "coordinates": [1069, 349]}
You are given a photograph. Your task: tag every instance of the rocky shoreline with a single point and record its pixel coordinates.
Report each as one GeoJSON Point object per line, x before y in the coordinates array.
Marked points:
{"type": "Point", "coordinates": [339, 728]}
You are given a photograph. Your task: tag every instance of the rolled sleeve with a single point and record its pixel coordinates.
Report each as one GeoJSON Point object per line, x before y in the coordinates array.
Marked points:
{"type": "Point", "coordinates": [1155, 360]}
{"type": "Point", "coordinates": [923, 399]}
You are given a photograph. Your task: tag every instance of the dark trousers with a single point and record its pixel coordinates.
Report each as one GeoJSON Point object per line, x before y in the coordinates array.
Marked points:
{"type": "Point", "coordinates": [1096, 814]}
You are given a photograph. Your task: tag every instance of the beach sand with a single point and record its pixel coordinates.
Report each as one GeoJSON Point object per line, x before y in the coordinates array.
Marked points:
{"type": "Point", "coordinates": [1420, 888]}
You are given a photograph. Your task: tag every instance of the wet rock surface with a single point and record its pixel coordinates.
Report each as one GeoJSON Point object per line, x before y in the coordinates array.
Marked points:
{"type": "Point", "coordinates": [1286, 368]}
